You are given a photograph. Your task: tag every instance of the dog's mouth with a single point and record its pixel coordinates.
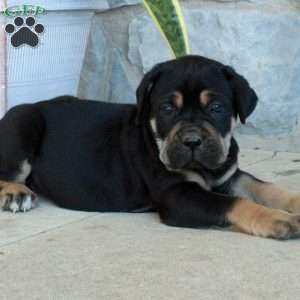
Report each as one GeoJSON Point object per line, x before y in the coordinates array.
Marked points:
{"type": "Point", "coordinates": [193, 149]}
{"type": "Point", "coordinates": [209, 155]}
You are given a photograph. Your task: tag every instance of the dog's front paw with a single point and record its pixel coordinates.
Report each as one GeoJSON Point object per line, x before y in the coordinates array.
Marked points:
{"type": "Point", "coordinates": [276, 224]}
{"type": "Point", "coordinates": [16, 197]}
{"type": "Point", "coordinates": [285, 227]}
{"type": "Point", "coordinates": [294, 203]}
{"type": "Point", "coordinates": [255, 219]}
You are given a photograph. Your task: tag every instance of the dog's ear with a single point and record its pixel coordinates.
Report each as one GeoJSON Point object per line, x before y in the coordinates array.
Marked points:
{"type": "Point", "coordinates": [143, 93]}
{"type": "Point", "coordinates": [245, 99]}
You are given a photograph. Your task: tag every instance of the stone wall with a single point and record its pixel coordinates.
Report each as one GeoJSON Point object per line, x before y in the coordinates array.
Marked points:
{"type": "Point", "coordinates": [259, 38]}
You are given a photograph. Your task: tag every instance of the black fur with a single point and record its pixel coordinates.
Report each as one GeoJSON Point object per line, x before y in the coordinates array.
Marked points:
{"type": "Point", "coordinates": [245, 98]}
{"type": "Point", "coordinates": [95, 156]}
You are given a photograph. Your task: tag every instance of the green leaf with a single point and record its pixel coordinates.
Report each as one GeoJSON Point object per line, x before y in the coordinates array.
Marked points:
{"type": "Point", "coordinates": [168, 17]}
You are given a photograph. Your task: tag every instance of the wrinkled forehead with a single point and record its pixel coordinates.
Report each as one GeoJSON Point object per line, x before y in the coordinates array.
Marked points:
{"type": "Point", "coordinates": [191, 81]}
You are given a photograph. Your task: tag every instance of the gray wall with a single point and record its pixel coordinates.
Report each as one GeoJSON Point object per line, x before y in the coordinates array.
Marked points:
{"type": "Point", "coordinates": [259, 38]}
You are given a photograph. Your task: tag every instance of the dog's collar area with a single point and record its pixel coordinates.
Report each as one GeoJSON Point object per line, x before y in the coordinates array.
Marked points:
{"type": "Point", "coordinates": [220, 181]}
{"type": "Point", "coordinates": [219, 176]}
{"type": "Point", "coordinates": [212, 179]}
{"type": "Point", "coordinates": [206, 180]}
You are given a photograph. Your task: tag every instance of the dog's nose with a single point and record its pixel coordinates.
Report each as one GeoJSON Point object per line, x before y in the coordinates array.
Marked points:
{"type": "Point", "coordinates": [192, 141]}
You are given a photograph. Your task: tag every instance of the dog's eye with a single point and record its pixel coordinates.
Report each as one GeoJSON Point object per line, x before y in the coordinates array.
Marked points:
{"type": "Point", "coordinates": [216, 108]}
{"type": "Point", "coordinates": [168, 107]}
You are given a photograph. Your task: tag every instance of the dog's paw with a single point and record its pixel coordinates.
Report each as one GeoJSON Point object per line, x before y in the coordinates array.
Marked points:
{"type": "Point", "coordinates": [252, 218]}
{"type": "Point", "coordinates": [277, 224]}
{"type": "Point", "coordinates": [16, 197]}
{"type": "Point", "coordinates": [294, 203]}
{"type": "Point", "coordinates": [286, 228]}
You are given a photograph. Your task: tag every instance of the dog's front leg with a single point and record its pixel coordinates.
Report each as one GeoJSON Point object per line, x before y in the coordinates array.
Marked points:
{"type": "Point", "coordinates": [188, 205]}
{"type": "Point", "coordinates": [264, 193]}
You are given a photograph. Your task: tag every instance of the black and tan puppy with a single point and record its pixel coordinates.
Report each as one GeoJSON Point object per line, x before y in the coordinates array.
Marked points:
{"type": "Point", "coordinates": [173, 153]}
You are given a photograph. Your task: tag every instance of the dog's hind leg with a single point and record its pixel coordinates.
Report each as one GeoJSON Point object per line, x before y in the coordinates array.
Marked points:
{"type": "Point", "coordinates": [21, 131]}
{"type": "Point", "coordinates": [267, 194]}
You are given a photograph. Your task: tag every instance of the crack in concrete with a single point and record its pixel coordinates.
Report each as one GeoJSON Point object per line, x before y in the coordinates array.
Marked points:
{"type": "Point", "coordinates": [262, 160]}
{"type": "Point", "coordinates": [274, 154]}
{"type": "Point", "coordinates": [46, 231]}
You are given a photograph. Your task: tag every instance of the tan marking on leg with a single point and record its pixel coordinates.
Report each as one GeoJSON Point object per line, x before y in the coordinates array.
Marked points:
{"type": "Point", "coordinates": [252, 218]}
{"type": "Point", "coordinates": [268, 194]}
{"type": "Point", "coordinates": [294, 203]}
{"type": "Point", "coordinates": [16, 197]}
{"type": "Point", "coordinates": [276, 197]}
{"type": "Point", "coordinates": [13, 188]}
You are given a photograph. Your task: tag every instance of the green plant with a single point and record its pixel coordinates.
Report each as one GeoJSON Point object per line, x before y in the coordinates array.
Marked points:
{"type": "Point", "coordinates": [168, 17]}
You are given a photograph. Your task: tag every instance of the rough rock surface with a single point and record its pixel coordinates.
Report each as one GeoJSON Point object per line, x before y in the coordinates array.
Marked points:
{"type": "Point", "coordinates": [104, 76]}
{"type": "Point", "coordinates": [260, 39]}
{"type": "Point", "coordinates": [263, 45]}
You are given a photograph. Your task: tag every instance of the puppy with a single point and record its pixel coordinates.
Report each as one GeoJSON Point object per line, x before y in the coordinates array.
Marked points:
{"type": "Point", "coordinates": [174, 153]}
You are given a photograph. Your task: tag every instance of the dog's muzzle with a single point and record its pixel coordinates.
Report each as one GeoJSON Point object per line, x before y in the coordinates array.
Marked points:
{"type": "Point", "coordinates": [192, 147]}
{"type": "Point", "coordinates": [190, 138]}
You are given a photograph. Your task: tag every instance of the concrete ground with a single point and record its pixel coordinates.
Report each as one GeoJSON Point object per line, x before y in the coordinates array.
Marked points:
{"type": "Point", "coordinates": [52, 253]}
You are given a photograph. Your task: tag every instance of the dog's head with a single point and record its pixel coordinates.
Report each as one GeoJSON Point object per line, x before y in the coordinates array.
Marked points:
{"type": "Point", "coordinates": [192, 104]}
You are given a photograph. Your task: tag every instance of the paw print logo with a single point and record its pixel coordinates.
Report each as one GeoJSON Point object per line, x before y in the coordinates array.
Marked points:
{"type": "Point", "coordinates": [24, 32]}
